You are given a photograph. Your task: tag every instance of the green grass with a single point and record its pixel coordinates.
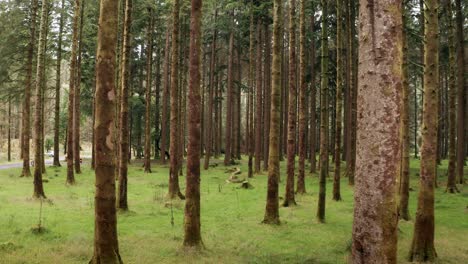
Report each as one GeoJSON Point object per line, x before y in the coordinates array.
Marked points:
{"type": "Point", "coordinates": [231, 228]}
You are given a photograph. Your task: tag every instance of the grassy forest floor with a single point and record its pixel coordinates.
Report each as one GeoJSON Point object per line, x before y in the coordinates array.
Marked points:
{"type": "Point", "coordinates": [231, 217]}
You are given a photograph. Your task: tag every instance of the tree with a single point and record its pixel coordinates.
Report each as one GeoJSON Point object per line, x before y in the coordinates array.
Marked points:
{"type": "Point", "coordinates": [461, 93]}
{"type": "Point", "coordinates": [323, 115]}
{"type": "Point", "coordinates": [38, 124]}
{"type": "Point", "coordinates": [106, 247]}
{"type": "Point", "coordinates": [71, 95]}
{"type": "Point", "coordinates": [291, 151]}
{"type": "Point", "coordinates": [122, 203]}
{"type": "Point", "coordinates": [77, 95]}
{"type": "Point", "coordinates": [57, 88]}
{"type": "Point", "coordinates": [229, 102]}
{"type": "Point", "coordinates": [404, 169]}
{"type": "Point", "coordinates": [313, 100]}
{"type": "Point", "coordinates": [192, 205]}
{"type": "Point", "coordinates": [250, 97]}
{"type": "Point", "coordinates": [149, 75]}
{"type": "Point", "coordinates": [174, 189]}
{"type": "Point", "coordinates": [26, 127]}
{"type": "Point", "coordinates": [258, 98]}
{"type": "Point", "coordinates": [378, 147]}
{"type": "Point", "coordinates": [302, 100]}
{"type": "Point", "coordinates": [339, 98]}
{"type": "Point", "coordinates": [166, 95]}
{"type": "Point", "coordinates": [451, 177]}
{"type": "Point", "coordinates": [272, 204]}
{"type": "Point", "coordinates": [422, 248]}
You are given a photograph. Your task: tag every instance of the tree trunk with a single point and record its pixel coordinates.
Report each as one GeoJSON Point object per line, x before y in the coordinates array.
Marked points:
{"type": "Point", "coordinates": [289, 199]}
{"type": "Point", "coordinates": [422, 248]}
{"type": "Point", "coordinates": [323, 115]}
{"type": "Point", "coordinates": [272, 205]}
{"type": "Point", "coordinates": [378, 148]}
{"type": "Point", "coordinates": [210, 130]}
{"type": "Point", "coordinates": [106, 247]}
{"type": "Point", "coordinates": [57, 89]}
{"type": "Point", "coordinates": [339, 98]}
{"type": "Point", "coordinates": [451, 177]}
{"type": "Point", "coordinates": [174, 189]}
{"type": "Point", "coordinates": [9, 130]}
{"type": "Point", "coordinates": [122, 203]}
{"type": "Point", "coordinates": [250, 134]}
{"type": "Point", "coordinates": [149, 75]}
{"type": "Point", "coordinates": [166, 95]}
{"type": "Point", "coordinates": [267, 100]}
{"type": "Point", "coordinates": [71, 96]}
{"type": "Point", "coordinates": [192, 224]}
{"type": "Point", "coordinates": [38, 124]}
{"type": "Point", "coordinates": [259, 98]}
{"type": "Point", "coordinates": [229, 103]}
{"type": "Point", "coordinates": [302, 101]}
{"type": "Point", "coordinates": [313, 101]}
{"type": "Point", "coordinates": [26, 132]}
{"type": "Point", "coordinates": [462, 95]}
{"type": "Point", "coordinates": [76, 100]}
{"type": "Point", "coordinates": [404, 169]}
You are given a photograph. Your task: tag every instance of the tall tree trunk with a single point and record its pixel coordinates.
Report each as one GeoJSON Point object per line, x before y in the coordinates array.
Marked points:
{"type": "Point", "coordinates": [166, 95]}
{"type": "Point", "coordinates": [378, 153]}
{"type": "Point", "coordinates": [289, 199]}
{"type": "Point", "coordinates": [229, 103]}
{"type": "Point", "coordinates": [38, 124]}
{"type": "Point", "coordinates": [272, 205]}
{"type": "Point", "coordinates": [462, 95]}
{"type": "Point", "coordinates": [323, 115]}
{"type": "Point", "coordinates": [422, 248]}
{"type": "Point", "coordinates": [210, 130]}
{"type": "Point", "coordinates": [267, 97]}
{"type": "Point", "coordinates": [57, 88]}
{"type": "Point", "coordinates": [106, 246]}
{"type": "Point", "coordinates": [404, 168]}
{"type": "Point", "coordinates": [192, 224]}
{"type": "Point", "coordinates": [122, 203]}
{"type": "Point", "coordinates": [26, 127]}
{"type": "Point", "coordinates": [339, 98]}
{"type": "Point", "coordinates": [157, 95]}
{"type": "Point", "coordinates": [451, 177]}
{"type": "Point", "coordinates": [9, 130]}
{"type": "Point", "coordinates": [71, 95]}
{"type": "Point", "coordinates": [250, 134]}
{"type": "Point", "coordinates": [258, 97]}
{"type": "Point", "coordinates": [313, 101]}
{"type": "Point", "coordinates": [302, 101]}
{"type": "Point", "coordinates": [174, 189]}
{"type": "Point", "coordinates": [76, 100]}
{"type": "Point", "coordinates": [149, 75]}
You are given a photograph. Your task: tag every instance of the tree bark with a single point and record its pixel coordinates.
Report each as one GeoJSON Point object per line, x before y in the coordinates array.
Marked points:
{"type": "Point", "coordinates": [106, 247]}
{"type": "Point", "coordinates": [422, 248]}
{"type": "Point", "coordinates": [289, 199]}
{"type": "Point", "coordinates": [462, 95]}
{"type": "Point", "coordinates": [302, 101]}
{"type": "Point", "coordinates": [258, 98]}
{"type": "Point", "coordinates": [26, 127]}
{"type": "Point", "coordinates": [192, 224]}
{"type": "Point", "coordinates": [174, 189]}
{"type": "Point", "coordinates": [267, 100]}
{"type": "Point", "coordinates": [38, 124]}
{"type": "Point", "coordinates": [272, 204]}
{"type": "Point", "coordinates": [250, 134]}
{"type": "Point", "coordinates": [323, 115]}
{"type": "Point", "coordinates": [229, 103]}
{"type": "Point", "coordinates": [166, 95]}
{"type": "Point", "coordinates": [339, 98]}
{"type": "Point", "coordinates": [57, 89]}
{"type": "Point", "coordinates": [378, 146]}
{"type": "Point", "coordinates": [313, 101]}
{"type": "Point", "coordinates": [149, 75]}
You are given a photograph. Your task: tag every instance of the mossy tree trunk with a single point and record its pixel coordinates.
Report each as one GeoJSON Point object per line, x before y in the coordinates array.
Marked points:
{"type": "Point", "coordinates": [106, 246]}
{"type": "Point", "coordinates": [192, 224]}
{"type": "Point", "coordinates": [378, 145]}
{"type": "Point", "coordinates": [422, 248]}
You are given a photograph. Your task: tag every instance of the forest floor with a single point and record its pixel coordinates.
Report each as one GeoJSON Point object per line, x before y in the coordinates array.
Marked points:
{"type": "Point", "coordinates": [231, 221]}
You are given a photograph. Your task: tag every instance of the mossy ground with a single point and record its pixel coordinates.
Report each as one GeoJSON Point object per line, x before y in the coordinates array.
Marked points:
{"type": "Point", "coordinates": [231, 221]}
